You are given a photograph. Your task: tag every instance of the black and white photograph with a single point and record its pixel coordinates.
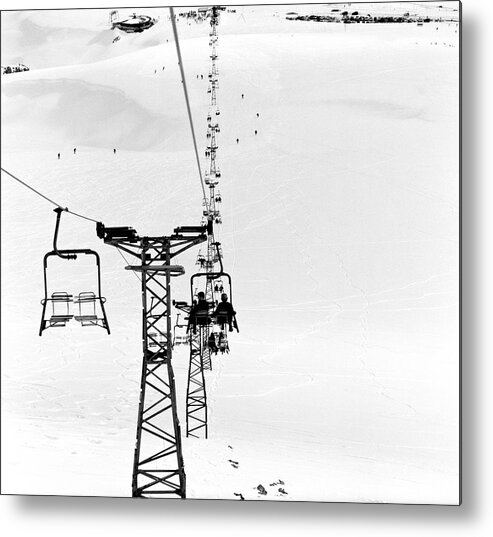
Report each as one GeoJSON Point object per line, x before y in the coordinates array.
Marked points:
{"type": "Point", "coordinates": [230, 244]}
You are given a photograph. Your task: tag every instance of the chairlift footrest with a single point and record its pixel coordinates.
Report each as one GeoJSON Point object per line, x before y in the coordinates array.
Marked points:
{"type": "Point", "coordinates": [82, 318]}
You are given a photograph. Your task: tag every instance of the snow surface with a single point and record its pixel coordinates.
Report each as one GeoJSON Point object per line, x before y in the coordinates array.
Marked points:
{"type": "Point", "coordinates": [340, 229]}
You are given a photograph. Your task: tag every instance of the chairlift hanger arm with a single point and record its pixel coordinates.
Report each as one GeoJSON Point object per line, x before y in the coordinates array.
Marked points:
{"type": "Point", "coordinates": [60, 253]}
{"type": "Point", "coordinates": [219, 257]}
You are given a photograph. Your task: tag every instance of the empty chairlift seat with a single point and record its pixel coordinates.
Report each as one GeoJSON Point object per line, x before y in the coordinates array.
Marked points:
{"type": "Point", "coordinates": [87, 309]}
{"type": "Point", "coordinates": [60, 302]}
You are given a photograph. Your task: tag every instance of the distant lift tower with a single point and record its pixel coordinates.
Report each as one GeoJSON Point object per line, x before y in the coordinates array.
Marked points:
{"type": "Point", "coordinates": [211, 212]}
{"type": "Point", "coordinates": [158, 469]}
{"type": "Point", "coordinates": [200, 352]}
{"type": "Point", "coordinates": [196, 392]}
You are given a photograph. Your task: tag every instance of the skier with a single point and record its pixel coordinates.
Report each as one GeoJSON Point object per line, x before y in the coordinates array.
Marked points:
{"type": "Point", "coordinates": [242, 95]}
{"type": "Point", "coordinates": [223, 343]}
{"type": "Point", "coordinates": [255, 133]}
{"type": "Point", "coordinates": [237, 140]}
{"type": "Point", "coordinates": [58, 156]}
{"type": "Point", "coordinates": [75, 150]}
{"type": "Point", "coordinates": [257, 114]}
{"type": "Point", "coordinates": [224, 312]}
{"type": "Point", "coordinates": [211, 343]}
{"type": "Point", "coordinates": [199, 313]}
{"type": "Point", "coordinates": [114, 151]}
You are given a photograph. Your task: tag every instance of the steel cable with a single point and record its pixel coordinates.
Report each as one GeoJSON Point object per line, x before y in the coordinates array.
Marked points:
{"type": "Point", "coordinates": [187, 100]}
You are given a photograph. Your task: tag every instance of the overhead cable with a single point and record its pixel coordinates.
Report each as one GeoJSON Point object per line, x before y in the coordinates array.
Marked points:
{"type": "Point", "coordinates": [31, 188]}
{"type": "Point", "coordinates": [61, 207]}
{"type": "Point", "coordinates": [180, 63]}
{"type": "Point", "coordinates": [47, 198]}
{"type": "Point", "coordinates": [128, 263]}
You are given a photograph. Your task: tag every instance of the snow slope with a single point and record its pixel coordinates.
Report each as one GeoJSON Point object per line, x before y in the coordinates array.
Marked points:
{"type": "Point", "coordinates": [340, 229]}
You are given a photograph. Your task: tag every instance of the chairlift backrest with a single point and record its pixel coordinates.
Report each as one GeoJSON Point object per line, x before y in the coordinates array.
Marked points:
{"type": "Point", "coordinates": [61, 298]}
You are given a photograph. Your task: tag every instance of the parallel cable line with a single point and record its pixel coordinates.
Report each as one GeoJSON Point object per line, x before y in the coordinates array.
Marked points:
{"type": "Point", "coordinates": [180, 63]}
{"type": "Point", "coordinates": [31, 188]}
{"type": "Point", "coordinates": [47, 198]}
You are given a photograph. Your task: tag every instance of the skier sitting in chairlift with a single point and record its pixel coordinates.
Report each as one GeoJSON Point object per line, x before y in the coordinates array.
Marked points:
{"type": "Point", "coordinates": [211, 343]}
{"type": "Point", "coordinates": [223, 343]}
{"type": "Point", "coordinates": [199, 313]}
{"type": "Point", "coordinates": [224, 312]}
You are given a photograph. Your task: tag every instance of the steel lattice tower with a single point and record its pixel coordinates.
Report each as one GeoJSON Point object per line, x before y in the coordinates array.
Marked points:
{"type": "Point", "coordinates": [158, 469]}
{"type": "Point", "coordinates": [196, 393]}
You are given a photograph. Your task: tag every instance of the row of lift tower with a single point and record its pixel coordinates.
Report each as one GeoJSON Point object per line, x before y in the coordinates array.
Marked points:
{"type": "Point", "coordinates": [158, 467]}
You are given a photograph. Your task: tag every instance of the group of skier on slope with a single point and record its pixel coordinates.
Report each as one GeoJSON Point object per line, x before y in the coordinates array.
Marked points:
{"type": "Point", "coordinates": [75, 152]}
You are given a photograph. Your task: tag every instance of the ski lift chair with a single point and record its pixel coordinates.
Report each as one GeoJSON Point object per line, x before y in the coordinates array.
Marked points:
{"type": "Point", "coordinates": [180, 338]}
{"type": "Point", "coordinates": [155, 339]}
{"type": "Point", "coordinates": [212, 343]}
{"type": "Point", "coordinates": [216, 286]}
{"type": "Point", "coordinates": [152, 336]}
{"type": "Point", "coordinates": [219, 277]}
{"type": "Point", "coordinates": [87, 301]}
{"type": "Point", "coordinates": [61, 300]}
{"type": "Point", "coordinates": [223, 343]}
